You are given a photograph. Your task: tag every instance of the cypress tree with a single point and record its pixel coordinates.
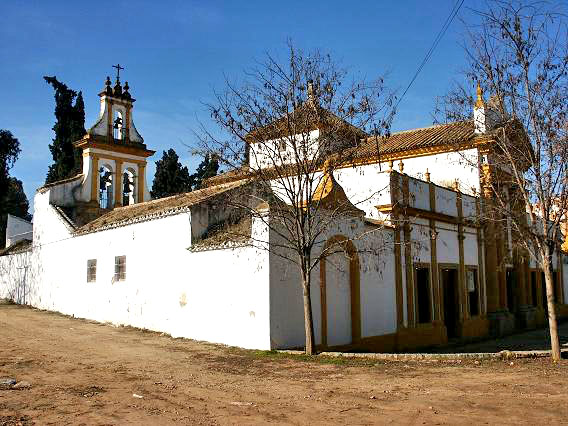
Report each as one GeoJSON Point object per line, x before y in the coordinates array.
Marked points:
{"type": "Point", "coordinates": [171, 177]}
{"type": "Point", "coordinates": [69, 127]}
{"type": "Point", "coordinates": [206, 169]}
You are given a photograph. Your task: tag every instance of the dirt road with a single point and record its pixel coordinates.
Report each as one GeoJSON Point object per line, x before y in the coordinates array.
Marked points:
{"type": "Point", "coordinates": [81, 372]}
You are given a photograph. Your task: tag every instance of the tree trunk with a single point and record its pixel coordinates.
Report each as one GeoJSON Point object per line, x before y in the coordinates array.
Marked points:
{"type": "Point", "coordinates": [308, 319]}
{"type": "Point", "coordinates": [552, 323]}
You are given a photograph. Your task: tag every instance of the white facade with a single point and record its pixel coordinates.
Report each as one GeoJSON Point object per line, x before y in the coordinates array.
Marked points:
{"type": "Point", "coordinates": [17, 229]}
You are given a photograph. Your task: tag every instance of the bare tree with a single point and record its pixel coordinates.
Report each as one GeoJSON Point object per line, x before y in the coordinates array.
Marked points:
{"type": "Point", "coordinates": [290, 124]}
{"type": "Point", "coordinates": [518, 53]}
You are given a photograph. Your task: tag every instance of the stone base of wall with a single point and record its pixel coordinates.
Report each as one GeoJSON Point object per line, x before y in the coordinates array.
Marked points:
{"type": "Point", "coordinates": [406, 339]}
{"type": "Point", "coordinates": [501, 323]}
{"type": "Point", "coordinates": [474, 327]}
{"type": "Point", "coordinates": [527, 317]}
{"type": "Point", "coordinates": [562, 311]}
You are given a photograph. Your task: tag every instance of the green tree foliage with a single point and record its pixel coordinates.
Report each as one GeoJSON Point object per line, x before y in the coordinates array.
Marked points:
{"type": "Point", "coordinates": [13, 200]}
{"type": "Point", "coordinates": [206, 169]}
{"type": "Point", "coordinates": [69, 127]}
{"type": "Point", "coordinates": [171, 177]}
{"type": "Point", "coordinates": [9, 151]}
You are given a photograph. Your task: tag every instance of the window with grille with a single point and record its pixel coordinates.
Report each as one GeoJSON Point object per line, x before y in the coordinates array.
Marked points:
{"type": "Point", "coordinates": [120, 268]}
{"type": "Point", "coordinates": [473, 291]}
{"type": "Point", "coordinates": [91, 270]}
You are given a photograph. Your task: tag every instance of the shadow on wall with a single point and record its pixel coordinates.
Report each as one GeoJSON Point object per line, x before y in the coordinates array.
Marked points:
{"type": "Point", "coordinates": [19, 275]}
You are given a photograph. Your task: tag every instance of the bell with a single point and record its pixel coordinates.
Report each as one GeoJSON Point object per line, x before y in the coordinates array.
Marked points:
{"type": "Point", "coordinates": [126, 184]}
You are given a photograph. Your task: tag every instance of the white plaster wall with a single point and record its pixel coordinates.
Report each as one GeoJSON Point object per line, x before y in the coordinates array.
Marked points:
{"type": "Point", "coordinates": [17, 229]}
{"type": "Point", "coordinates": [421, 241]}
{"type": "Point", "coordinates": [377, 287]}
{"type": "Point", "coordinates": [470, 247]}
{"type": "Point", "coordinates": [366, 187]}
{"type": "Point", "coordinates": [419, 194]}
{"type": "Point", "coordinates": [445, 168]}
{"type": "Point", "coordinates": [446, 201]}
{"type": "Point", "coordinates": [268, 154]}
{"type": "Point", "coordinates": [447, 243]}
{"type": "Point", "coordinates": [219, 295]}
{"type": "Point", "coordinates": [469, 210]}
{"type": "Point", "coordinates": [16, 277]}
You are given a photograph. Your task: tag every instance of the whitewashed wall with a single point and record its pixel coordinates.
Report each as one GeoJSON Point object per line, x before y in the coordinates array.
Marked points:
{"type": "Point", "coordinates": [218, 295]}
{"type": "Point", "coordinates": [445, 168]}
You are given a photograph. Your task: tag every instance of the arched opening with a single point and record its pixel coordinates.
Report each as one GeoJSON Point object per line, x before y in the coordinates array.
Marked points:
{"type": "Point", "coordinates": [340, 293]}
{"type": "Point", "coordinates": [117, 125]}
{"type": "Point", "coordinates": [106, 185]}
{"type": "Point", "coordinates": [128, 187]}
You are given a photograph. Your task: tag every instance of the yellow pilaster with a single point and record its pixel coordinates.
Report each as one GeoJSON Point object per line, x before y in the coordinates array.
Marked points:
{"type": "Point", "coordinates": [140, 186]}
{"type": "Point", "coordinates": [118, 185]}
{"type": "Point", "coordinates": [94, 177]}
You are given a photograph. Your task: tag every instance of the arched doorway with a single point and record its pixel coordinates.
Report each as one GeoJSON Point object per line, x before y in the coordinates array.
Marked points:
{"type": "Point", "coordinates": [340, 293]}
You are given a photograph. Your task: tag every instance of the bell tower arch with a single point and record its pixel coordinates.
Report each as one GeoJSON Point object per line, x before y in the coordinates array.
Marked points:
{"type": "Point", "coordinates": [114, 153]}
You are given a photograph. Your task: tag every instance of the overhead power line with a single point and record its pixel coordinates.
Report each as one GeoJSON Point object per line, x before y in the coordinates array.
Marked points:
{"type": "Point", "coordinates": [447, 22]}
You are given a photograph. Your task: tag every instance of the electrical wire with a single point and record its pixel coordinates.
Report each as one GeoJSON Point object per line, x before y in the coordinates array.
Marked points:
{"type": "Point", "coordinates": [448, 21]}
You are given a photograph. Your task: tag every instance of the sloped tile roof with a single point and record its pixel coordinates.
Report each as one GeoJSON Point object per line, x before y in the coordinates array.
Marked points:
{"type": "Point", "coordinates": [154, 209]}
{"type": "Point", "coordinates": [442, 135]}
{"type": "Point", "coordinates": [18, 247]}
{"type": "Point", "coordinates": [409, 140]}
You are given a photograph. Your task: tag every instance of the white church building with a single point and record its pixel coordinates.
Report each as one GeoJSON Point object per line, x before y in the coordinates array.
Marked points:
{"type": "Point", "coordinates": [101, 249]}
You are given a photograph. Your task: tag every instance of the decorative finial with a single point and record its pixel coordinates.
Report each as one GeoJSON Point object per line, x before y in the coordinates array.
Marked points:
{"type": "Point", "coordinates": [479, 103]}
{"type": "Point", "coordinates": [108, 89]}
{"type": "Point", "coordinates": [311, 94]}
{"type": "Point", "coordinates": [427, 175]}
{"type": "Point", "coordinates": [391, 164]}
{"type": "Point", "coordinates": [126, 94]}
{"type": "Point", "coordinates": [401, 166]}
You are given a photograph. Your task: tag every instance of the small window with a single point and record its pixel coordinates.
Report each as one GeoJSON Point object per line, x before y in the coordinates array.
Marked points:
{"type": "Point", "coordinates": [91, 270]}
{"type": "Point", "coordinates": [473, 292]}
{"type": "Point", "coordinates": [120, 268]}
{"type": "Point", "coordinates": [423, 295]}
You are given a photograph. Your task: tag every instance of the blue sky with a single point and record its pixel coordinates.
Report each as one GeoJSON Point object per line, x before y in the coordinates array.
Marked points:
{"type": "Point", "coordinates": [177, 52]}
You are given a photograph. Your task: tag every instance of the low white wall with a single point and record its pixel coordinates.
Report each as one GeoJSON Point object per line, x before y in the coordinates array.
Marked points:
{"type": "Point", "coordinates": [218, 295]}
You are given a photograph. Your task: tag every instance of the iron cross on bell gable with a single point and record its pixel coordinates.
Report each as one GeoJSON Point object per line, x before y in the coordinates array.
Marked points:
{"type": "Point", "coordinates": [118, 68]}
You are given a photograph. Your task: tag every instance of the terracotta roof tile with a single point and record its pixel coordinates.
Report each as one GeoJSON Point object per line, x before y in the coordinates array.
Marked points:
{"type": "Point", "coordinates": [149, 210]}
{"type": "Point", "coordinates": [409, 140]}
{"type": "Point", "coordinates": [18, 247]}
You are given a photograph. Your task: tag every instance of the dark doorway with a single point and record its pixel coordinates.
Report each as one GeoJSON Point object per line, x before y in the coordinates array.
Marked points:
{"type": "Point", "coordinates": [423, 294]}
{"type": "Point", "coordinates": [511, 284]}
{"type": "Point", "coordinates": [451, 301]}
{"type": "Point", "coordinates": [534, 290]}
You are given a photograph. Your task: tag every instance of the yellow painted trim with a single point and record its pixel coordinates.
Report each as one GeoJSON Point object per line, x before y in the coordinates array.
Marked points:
{"type": "Point", "coordinates": [94, 177]}
{"type": "Point", "coordinates": [461, 272]}
{"type": "Point", "coordinates": [434, 270]}
{"type": "Point", "coordinates": [141, 182]}
{"type": "Point", "coordinates": [118, 187]}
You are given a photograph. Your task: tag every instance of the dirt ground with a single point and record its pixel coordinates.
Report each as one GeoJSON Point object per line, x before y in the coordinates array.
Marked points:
{"type": "Point", "coordinates": [81, 372]}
